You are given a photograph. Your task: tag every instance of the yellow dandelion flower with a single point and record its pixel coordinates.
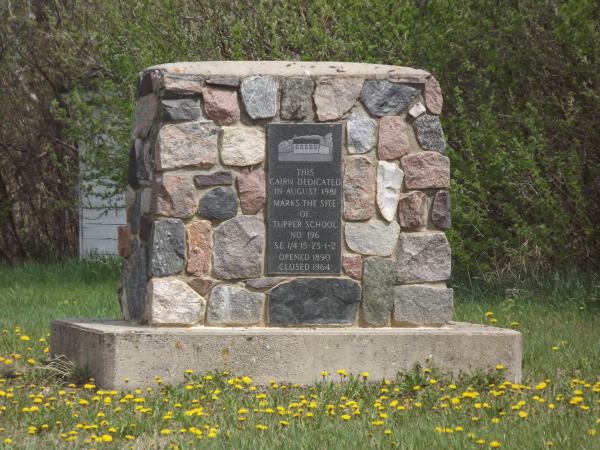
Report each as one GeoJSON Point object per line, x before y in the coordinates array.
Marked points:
{"type": "Point", "coordinates": [554, 348]}
{"type": "Point", "coordinates": [495, 444]}
{"type": "Point", "coordinates": [592, 432]}
{"type": "Point", "coordinates": [522, 414]}
{"type": "Point", "coordinates": [247, 380]}
{"type": "Point", "coordinates": [489, 313]}
{"type": "Point", "coordinates": [480, 441]}
{"type": "Point", "coordinates": [387, 432]}
{"type": "Point", "coordinates": [458, 428]}
{"type": "Point", "coordinates": [284, 423]}
{"type": "Point", "coordinates": [24, 338]}
{"type": "Point", "coordinates": [165, 431]}
{"type": "Point", "coordinates": [432, 381]}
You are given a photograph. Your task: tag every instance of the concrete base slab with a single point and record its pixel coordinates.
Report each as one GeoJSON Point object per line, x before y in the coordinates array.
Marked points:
{"type": "Point", "coordinates": [115, 350]}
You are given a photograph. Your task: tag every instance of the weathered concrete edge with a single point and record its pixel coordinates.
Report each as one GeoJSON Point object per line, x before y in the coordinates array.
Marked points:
{"type": "Point", "coordinates": [287, 69]}
{"type": "Point", "coordinates": [116, 350]}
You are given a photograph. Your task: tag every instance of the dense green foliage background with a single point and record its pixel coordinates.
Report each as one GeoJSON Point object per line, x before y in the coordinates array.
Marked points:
{"type": "Point", "coordinates": [521, 81]}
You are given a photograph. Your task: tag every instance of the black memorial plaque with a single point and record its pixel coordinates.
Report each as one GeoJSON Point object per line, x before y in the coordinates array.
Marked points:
{"type": "Point", "coordinates": [304, 209]}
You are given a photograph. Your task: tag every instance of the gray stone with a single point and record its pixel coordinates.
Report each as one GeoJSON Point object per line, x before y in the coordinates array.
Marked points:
{"type": "Point", "coordinates": [238, 247]}
{"type": "Point", "coordinates": [134, 279]}
{"type": "Point", "coordinates": [182, 86]}
{"type": "Point", "coordinates": [423, 257]}
{"type": "Point", "coordinates": [145, 227]}
{"type": "Point", "coordinates": [233, 306]}
{"type": "Point", "coordinates": [214, 179]}
{"type": "Point", "coordinates": [263, 283]}
{"type": "Point", "coordinates": [379, 279]}
{"type": "Point", "coordinates": [173, 303]}
{"type": "Point", "coordinates": [440, 211]}
{"type": "Point", "coordinates": [145, 112]}
{"type": "Point", "coordinates": [219, 204]}
{"type": "Point", "coordinates": [135, 243]}
{"type": "Point", "coordinates": [184, 109]}
{"type": "Point", "coordinates": [132, 179]}
{"type": "Point", "coordinates": [422, 305]}
{"type": "Point", "coordinates": [314, 301]}
{"type": "Point", "coordinates": [243, 146]}
{"type": "Point", "coordinates": [167, 247]}
{"type": "Point", "coordinates": [296, 98]}
{"type": "Point", "coordinates": [260, 96]}
{"type": "Point", "coordinates": [429, 133]}
{"type": "Point", "coordinates": [146, 200]}
{"type": "Point", "coordinates": [225, 82]}
{"type": "Point", "coordinates": [372, 238]}
{"type": "Point", "coordinates": [361, 133]}
{"type": "Point", "coordinates": [389, 183]}
{"type": "Point", "coordinates": [187, 144]}
{"type": "Point", "coordinates": [134, 220]}
{"type": "Point", "coordinates": [145, 84]}
{"type": "Point", "coordinates": [335, 96]}
{"type": "Point", "coordinates": [145, 161]}
{"type": "Point", "coordinates": [383, 98]}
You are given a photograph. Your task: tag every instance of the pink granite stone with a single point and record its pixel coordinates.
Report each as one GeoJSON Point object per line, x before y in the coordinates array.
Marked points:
{"type": "Point", "coordinates": [187, 144]}
{"type": "Point", "coordinates": [251, 186]}
{"type": "Point", "coordinates": [145, 111]}
{"type": "Point", "coordinates": [412, 211]}
{"type": "Point", "coordinates": [124, 242]}
{"type": "Point", "coordinates": [352, 265]}
{"type": "Point", "coordinates": [433, 96]}
{"type": "Point", "coordinates": [202, 285]}
{"type": "Point", "coordinates": [426, 170]}
{"type": "Point", "coordinates": [199, 248]}
{"type": "Point", "coordinates": [359, 189]}
{"type": "Point", "coordinates": [393, 140]}
{"type": "Point", "coordinates": [173, 196]}
{"type": "Point", "coordinates": [221, 105]}
{"type": "Point", "coordinates": [334, 97]}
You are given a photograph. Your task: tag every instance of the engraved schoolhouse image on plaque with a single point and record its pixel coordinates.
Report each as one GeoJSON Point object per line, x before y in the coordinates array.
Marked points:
{"type": "Point", "coordinates": [304, 198]}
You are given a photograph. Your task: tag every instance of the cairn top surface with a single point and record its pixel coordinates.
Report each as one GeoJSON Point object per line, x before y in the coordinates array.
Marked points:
{"type": "Point", "coordinates": [287, 68]}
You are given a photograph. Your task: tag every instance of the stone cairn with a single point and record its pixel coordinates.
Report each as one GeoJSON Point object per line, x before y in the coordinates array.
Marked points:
{"type": "Point", "coordinates": [196, 202]}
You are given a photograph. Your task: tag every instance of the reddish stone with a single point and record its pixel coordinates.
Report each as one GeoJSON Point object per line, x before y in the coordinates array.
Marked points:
{"type": "Point", "coordinates": [440, 210]}
{"type": "Point", "coordinates": [412, 210]}
{"type": "Point", "coordinates": [251, 186]}
{"type": "Point", "coordinates": [187, 144]}
{"type": "Point", "coordinates": [393, 140]}
{"type": "Point", "coordinates": [124, 242]}
{"type": "Point", "coordinates": [336, 96]}
{"type": "Point", "coordinates": [203, 285]}
{"type": "Point", "coordinates": [433, 96]}
{"type": "Point", "coordinates": [199, 248]}
{"type": "Point", "coordinates": [182, 86]}
{"type": "Point", "coordinates": [359, 189]}
{"type": "Point", "coordinates": [352, 265]}
{"type": "Point", "coordinates": [173, 196]}
{"type": "Point", "coordinates": [426, 170]}
{"type": "Point", "coordinates": [221, 105]}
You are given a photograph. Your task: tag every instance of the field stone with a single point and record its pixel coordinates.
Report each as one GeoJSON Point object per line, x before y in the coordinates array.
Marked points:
{"type": "Point", "coordinates": [412, 210]}
{"type": "Point", "coordinates": [221, 105]}
{"type": "Point", "coordinates": [145, 112]}
{"type": "Point", "coordinates": [144, 84]}
{"type": "Point", "coordinates": [389, 183]}
{"type": "Point", "coordinates": [166, 247]}
{"type": "Point", "coordinates": [393, 139]}
{"type": "Point", "coordinates": [433, 96]}
{"type": "Point", "coordinates": [352, 265]}
{"type": "Point", "coordinates": [296, 98]}
{"type": "Point", "coordinates": [173, 303]}
{"type": "Point", "coordinates": [213, 179]}
{"type": "Point", "coordinates": [173, 196]}
{"type": "Point", "coordinates": [422, 305]}
{"type": "Point", "coordinates": [361, 133]}
{"type": "Point", "coordinates": [426, 170]}
{"type": "Point", "coordinates": [259, 94]}
{"type": "Point", "coordinates": [144, 160]}
{"type": "Point", "coordinates": [238, 248]}
{"type": "Point", "coordinates": [233, 306]}
{"type": "Point", "coordinates": [134, 280]}
{"type": "Point", "coordinates": [263, 283]}
{"type": "Point", "coordinates": [226, 82]}
{"type": "Point", "coordinates": [187, 144]}
{"type": "Point", "coordinates": [219, 203]}
{"type": "Point", "coordinates": [251, 186]}
{"type": "Point", "coordinates": [145, 200]}
{"type": "Point", "coordinates": [202, 285]}
{"type": "Point", "coordinates": [417, 110]}
{"type": "Point", "coordinates": [383, 98]}
{"type": "Point", "coordinates": [372, 238]}
{"type": "Point", "coordinates": [132, 179]}
{"type": "Point", "coordinates": [359, 189]}
{"type": "Point", "coordinates": [145, 227]}
{"type": "Point", "coordinates": [182, 86]}
{"type": "Point", "coordinates": [180, 109]}
{"type": "Point", "coordinates": [378, 281]}
{"type": "Point", "coordinates": [440, 210]}
{"type": "Point", "coordinates": [124, 239]}
{"type": "Point", "coordinates": [423, 258]}
{"type": "Point", "coordinates": [314, 301]}
{"type": "Point", "coordinates": [134, 219]}
{"type": "Point", "coordinates": [335, 96]}
{"type": "Point", "coordinates": [430, 135]}
{"type": "Point", "coordinates": [199, 248]}
{"type": "Point", "coordinates": [243, 146]}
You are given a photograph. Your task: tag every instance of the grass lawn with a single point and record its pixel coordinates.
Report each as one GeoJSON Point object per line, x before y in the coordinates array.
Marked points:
{"type": "Point", "coordinates": [556, 406]}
